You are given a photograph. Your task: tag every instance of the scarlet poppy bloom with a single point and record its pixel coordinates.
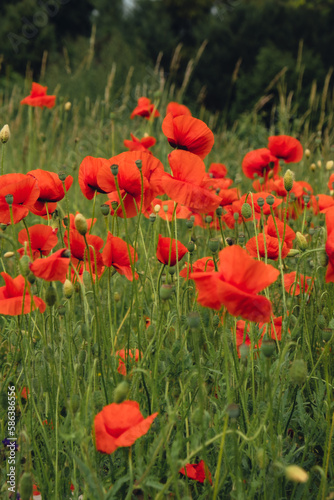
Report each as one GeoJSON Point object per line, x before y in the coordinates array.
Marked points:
{"type": "Point", "coordinates": [116, 254]}
{"type": "Point", "coordinates": [39, 98]}
{"type": "Point", "coordinates": [199, 472]}
{"type": "Point", "coordinates": [261, 162]}
{"type": "Point", "coordinates": [275, 328]}
{"type": "Point", "coordinates": [217, 170]}
{"type": "Point", "coordinates": [295, 286]}
{"type": "Point", "coordinates": [185, 186]}
{"type": "Point", "coordinates": [330, 182]}
{"type": "Point", "coordinates": [167, 253]}
{"type": "Point", "coordinates": [145, 109]}
{"type": "Point", "coordinates": [25, 192]}
{"type": "Point", "coordinates": [122, 355]}
{"type": "Point", "coordinates": [205, 264]}
{"type": "Point", "coordinates": [52, 268]}
{"type": "Point", "coordinates": [79, 253]}
{"type": "Point", "coordinates": [325, 202]}
{"type": "Point", "coordinates": [188, 133]}
{"type": "Point", "coordinates": [51, 189]}
{"type": "Point", "coordinates": [167, 208]}
{"type": "Point", "coordinates": [285, 147]}
{"type": "Point", "coordinates": [119, 425]}
{"type": "Point", "coordinates": [289, 234]}
{"type": "Point", "coordinates": [265, 207]}
{"type": "Point", "coordinates": [330, 245]}
{"type": "Point", "coordinates": [88, 171]}
{"type": "Point", "coordinates": [243, 338]}
{"type": "Point", "coordinates": [140, 144]}
{"type": "Point", "coordinates": [42, 240]}
{"type": "Point", "coordinates": [268, 246]}
{"type": "Point", "coordinates": [212, 183]}
{"type": "Point", "coordinates": [177, 109]}
{"type": "Point", "coordinates": [129, 180]}
{"type": "Point", "coordinates": [25, 392]}
{"type": "Point", "coordinates": [12, 300]}
{"type": "Point", "coordinates": [236, 285]}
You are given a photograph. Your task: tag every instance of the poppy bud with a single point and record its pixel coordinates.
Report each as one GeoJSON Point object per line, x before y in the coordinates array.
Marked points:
{"type": "Point", "coordinates": [67, 105]}
{"type": "Point", "coordinates": [270, 200]}
{"type": "Point", "coordinates": [236, 216]}
{"type": "Point", "coordinates": [313, 167]}
{"type": "Point", "coordinates": [4, 134]}
{"type": "Point", "coordinates": [166, 291]}
{"type": "Point", "coordinates": [26, 486]}
{"type": "Point", "coordinates": [319, 164]}
{"type": "Point", "coordinates": [117, 297]}
{"type": "Point", "coordinates": [301, 241]}
{"type": "Point", "coordinates": [114, 205]}
{"type": "Point", "coordinates": [214, 245]}
{"type": "Point", "coordinates": [139, 164]}
{"type": "Point", "coordinates": [329, 165]}
{"type": "Point", "coordinates": [24, 265]}
{"type": "Point", "coordinates": [233, 410]}
{"type": "Point", "coordinates": [219, 211]}
{"type": "Point", "coordinates": [296, 474]}
{"type": "Point", "coordinates": [8, 255]}
{"type": "Point", "coordinates": [246, 210]}
{"type": "Point", "coordinates": [50, 296]}
{"type": "Point", "coordinates": [114, 170]}
{"type": "Point", "coordinates": [298, 371]}
{"type": "Point", "coordinates": [293, 252]}
{"type": "Point", "coordinates": [268, 348]}
{"type": "Point", "coordinates": [307, 153]}
{"type": "Point", "coordinates": [80, 223]}
{"type": "Point", "coordinates": [157, 208]}
{"type": "Point", "coordinates": [191, 247]}
{"type": "Point", "coordinates": [68, 289]}
{"type": "Point", "coordinates": [105, 210]}
{"type": "Point", "coordinates": [121, 392]}
{"type": "Point", "coordinates": [260, 202]}
{"type": "Point", "coordinates": [208, 219]}
{"type": "Point", "coordinates": [9, 199]}
{"type": "Point", "coordinates": [306, 198]}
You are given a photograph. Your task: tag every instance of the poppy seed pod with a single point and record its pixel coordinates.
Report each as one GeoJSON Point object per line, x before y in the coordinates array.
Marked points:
{"type": "Point", "coordinates": [166, 291]}
{"type": "Point", "coordinates": [114, 170]}
{"type": "Point", "coordinates": [268, 348]}
{"type": "Point", "coordinates": [9, 199]}
{"type": "Point", "coordinates": [62, 176]}
{"type": "Point", "coordinates": [260, 202]}
{"type": "Point", "coordinates": [270, 200]}
{"type": "Point", "coordinates": [4, 134]}
{"type": "Point", "coordinates": [80, 223]}
{"type": "Point", "coordinates": [219, 211]}
{"type": "Point", "coordinates": [214, 245]}
{"type": "Point", "coordinates": [105, 210]}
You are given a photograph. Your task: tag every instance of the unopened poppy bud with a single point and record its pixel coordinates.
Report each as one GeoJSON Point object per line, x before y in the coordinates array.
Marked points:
{"type": "Point", "coordinates": [139, 164]}
{"type": "Point", "coordinates": [219, 211]}
{"type": "Point", "coordinates": [80, 223]}
{"type": "Point", "coordinates": [157, 208]}
{"type": "Point", "coordinates": [322, 258]}
{"type": "Point", "coordinates": [214, 245]}
{"type": "Point", "coordinates": [193, 319]}
{"type": "Point", "coordinates": [4, 134]}
{"type": "Point", "coordinates": [307, 153]}
{"type": "Point", "coordinates": [62, 176]}
{"type": "Point", "coordinates": [191, 246]}
{"type": "Point", "coordinates": [117, 296]}
{"type": "Point", "coordinates": [50, 296]}
{"type": "Point", "coordinates": [329, 165]}
{"type": "Point", "coordinates": [296, 474]}
{"type": "Point", "coordinates": [319, 164]}
{"type": "Point", "coordinates": [67, 105]}
{"type": "Point", "coordinates": [105, 210]}
{"type": "Point", "coordinates": [208, 219]}
{"type": "Point", "coordinates": [189, 223]}
{"type": "Point", "coordinates": [9, 199]}
{"type": "Point", "coordinates": [121, 392]}
{"type": "Point", "coordinates": [8, 255]}
{"type": "Point", "coordinates": [236, 216]}
{"type": "Point", "coordinates": [293, 252]}
{"type": "Point", "coordinates": [233, 410]}
{"type": "Point", "coordinates": [298, 371]}
{"type": "Point", "coordinates": [260, 202]}
{"type": "Point", "coordinates": [24, 265]}
{"type": "Point", "coordinates": [68, 289]}
{"type": "Point", "coordinates": [166, 291]}
{"type": "Point", "coordinates": [288, 180]}
{"type": "Point", "coordinates": [246, 210]}
{"type": "Point", "coordinates": [301, 241]}
{"type": "Point", "coordinates": [114, 170]}
{"type": "Point", "coordinates": [313, 167]}
{"type": "Point", "coordinates": [26, 486]}
{"type": "Point", "coordinates": [268, 348]}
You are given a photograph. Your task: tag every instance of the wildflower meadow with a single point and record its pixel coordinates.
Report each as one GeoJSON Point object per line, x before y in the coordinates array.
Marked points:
{"type": "Point", "coordinates": [166, 299]}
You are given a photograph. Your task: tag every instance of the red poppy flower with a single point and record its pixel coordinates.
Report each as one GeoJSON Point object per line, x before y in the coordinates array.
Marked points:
{"type": "Point", "coordinates": [325, 202]}
{"type": "Point", "coordinates": [261, 162]}
{"type": "Point", "coordinates": [145, 109]}
{"type": "Point", "coordinates": [289, 234]}
{"type": "Point", "coordinates": [129, 180]}
{"type": "Point", "coordinates": [330, 182]}
{"type": "Point", "coordinates": [217, 170]}
{"type": "Point", "coordinates": [122, 355]}
{"type": "Point", "coordinates": [39, 98]}
{"type": "Point", "coordinates": [51, 189]}
{"type": "Point", "coordinates": [295, 287]}
{"type": "Point", "coordinates": [275, 328]}
{"type": "Point", "coordinates": [188, 133]}
{"type": "Point", "coordinates": [52, 268]}
{"type": "Point", "coordinates": [116, 254]}
{"type": "Point", "coordinates": [25, 192]}
{"type": "Point", "coordinates": [119, 425]}
{"type": "Point", "coordinates": [242, 338]}
{"type": "Point", "coordinates": [285, 147]}
{"type": "Point", "coordinates": [166, 210]}
{"type": "Point", "coordinates": [71, 222]}
{"type": "Point", "coordinates": [42, 240]}
{"type": "Point", "coordinates": [185, 186]}
{"type": "Point", "coordinates": [236, 285]}
{"type": "Point", "coordinates": [255, 196]}
{"type": "Point", "coordinates": [79, 253]}
{"type": "Point", "coordinates": [199, 472]}
{"type": "Point", "coordinates": [88, 171]}
{"type": "Point", "coordinates": [330, 245]}
{"type": "Point", "coordinates": [177, 109]}
{"type": "Point", "coordinates": [166, 251]}
{"type": "Point", "coordinates": [268, 246]}
{"type": "Point", "coordinates": [25, 392]}
{"type": "Point", "coordinates": [212, 183]}
{"type": "Point", "coordinates": [12, 300]}
{"type": "Point", "coordinates": [205, 264]}
{"type": "Point", "coordinates": [140, 144]}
